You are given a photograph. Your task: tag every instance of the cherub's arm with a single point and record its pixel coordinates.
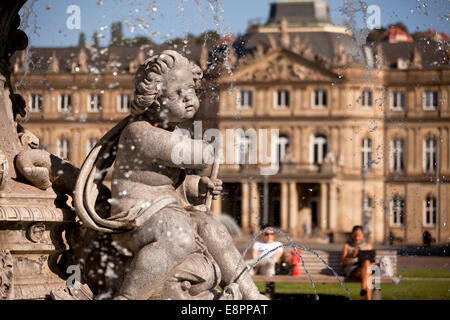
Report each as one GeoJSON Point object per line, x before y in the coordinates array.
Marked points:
{"type": "Point", "coordinates": [151, 144]}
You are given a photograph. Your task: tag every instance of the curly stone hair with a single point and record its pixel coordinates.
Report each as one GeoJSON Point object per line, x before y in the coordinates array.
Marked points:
{"type": "Point", "coordinates": [149, 77]}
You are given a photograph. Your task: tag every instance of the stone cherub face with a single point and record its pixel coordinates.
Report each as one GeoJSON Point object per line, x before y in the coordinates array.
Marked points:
{"type": "Point", "coordinates": [178, 99]}
{"type": "Point", "coordinates": [165, 86]}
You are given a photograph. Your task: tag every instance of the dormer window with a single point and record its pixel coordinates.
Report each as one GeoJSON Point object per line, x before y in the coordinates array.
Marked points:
{"type": "Point", "coordinates": [64, 102]}
{"type": "Point", "coordinates": [95, 103]}
{"type": "Point", "coordinates": [320, 99]}
{"type": "Point", "coordinates": [124, 103]}
{"type": "Point", "coordinates": [35, 103]}
{"type": "Point", "coordinates": [367, 99]}
{"type": "Point", "coordinates": [245, 99]}
{"type": "Point", "coordinates": [430, 100]}
{"type": "Point", "coordinates": [398, 101]}
{"type": "Point", "coordinates": [281, 99]}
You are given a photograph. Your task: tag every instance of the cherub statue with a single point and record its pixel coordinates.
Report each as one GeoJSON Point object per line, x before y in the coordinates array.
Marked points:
{"type": "Point", "coordinates": [153, 212]}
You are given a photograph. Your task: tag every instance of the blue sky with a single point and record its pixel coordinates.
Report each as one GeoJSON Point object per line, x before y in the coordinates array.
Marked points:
{"type": "Point", "coordinates": [163, 19]}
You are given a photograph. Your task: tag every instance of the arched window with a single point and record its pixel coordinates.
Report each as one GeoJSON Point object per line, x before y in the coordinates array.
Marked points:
{"type": "Point", "coordinates": [319, 148]}
{"type": "Point", "coordinates": [429, 214]}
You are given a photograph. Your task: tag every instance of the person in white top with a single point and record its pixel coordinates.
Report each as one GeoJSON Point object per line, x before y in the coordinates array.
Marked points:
{"type": "Point", "coordinates": [267, 265]}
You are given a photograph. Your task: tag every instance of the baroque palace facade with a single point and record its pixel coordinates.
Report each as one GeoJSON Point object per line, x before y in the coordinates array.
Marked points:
{"type": "Point", "coordinates": [364, 130]}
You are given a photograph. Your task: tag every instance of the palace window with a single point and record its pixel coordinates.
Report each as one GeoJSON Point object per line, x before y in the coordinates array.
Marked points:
{"type": "Point", "coordinates": [124, 103]}
{"type": "Point", "coordinates": [398, 101]}
{"type": "Point", "coordinates": [64, 102]}
{"type": "Point", "coordinates": [397, 155]}
{"type": "Point", "coordinates": [429, 217]}
{"type": "Point", "coordinates": [367, 99]}
{"type": "Point", "coordinates": [244, 147]}
{"type": "Point", "coordinates": [91, 144]}
{"type": "Point", "coordinates": [95, 103]}
{"type": "Point", "coordinates": [320, 99]}
{"type": "Point", "coordinates": [245, 99]}
{"type": "Point", "coordinates": [281, 99]}
{"type": "Point", "coordinates": [430, 100]}
{"type": "Point", "coordinates": [430, 155]}
{"type": "Point", "coordinates": [366, 153]}
{"type": "Point", "coordinates": [64, 148]}
{"type": "Point", "coordinates": [283, 145]}
{"type": "Point", "coordinates": [397, 212]}
{"type": "Point", "coordinates": [319, 146]}
{"type": "Point", "coordinates": [246, 144]}
{"type": "Point", "coordinates": [367, 210]}
{"type": "Point", "coordinates": [36, 103]}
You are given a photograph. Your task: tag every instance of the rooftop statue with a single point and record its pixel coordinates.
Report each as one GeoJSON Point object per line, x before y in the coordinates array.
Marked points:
{"type": "Point", "coordinates": [156, 210]}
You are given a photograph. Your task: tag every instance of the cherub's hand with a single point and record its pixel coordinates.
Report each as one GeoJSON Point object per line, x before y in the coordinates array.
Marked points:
{"type": "Point", "coordinates": [207, 185]}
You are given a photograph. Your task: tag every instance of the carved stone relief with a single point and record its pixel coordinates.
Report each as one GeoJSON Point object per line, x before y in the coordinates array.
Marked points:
{"type": "Point", "coordinates": [36, 232]}
{"type": "Point", "coordinates": [6, 275]}
{"type": "Point", "coordinates": [282, 69]}
{"type": "Point", "coordinates": [4, 168]}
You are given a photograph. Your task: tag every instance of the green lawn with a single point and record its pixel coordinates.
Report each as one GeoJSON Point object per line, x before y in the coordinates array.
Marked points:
{"type": "Point", "coordinates": [424, 273]}
{"type": "Point", "coordinates": [405, 290]}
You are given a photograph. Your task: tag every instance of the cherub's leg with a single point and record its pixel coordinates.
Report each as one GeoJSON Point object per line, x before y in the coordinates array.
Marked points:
{"type": "Point", "coordinates": [162, 243]}
{"type": "Point", "coordinates": [221, 247]}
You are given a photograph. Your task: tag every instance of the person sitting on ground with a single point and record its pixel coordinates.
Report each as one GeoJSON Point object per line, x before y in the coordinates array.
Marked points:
{"type": "Point", "coordinates": [267, 265]}
{"type": "Point", "coordinates": [352, 266]}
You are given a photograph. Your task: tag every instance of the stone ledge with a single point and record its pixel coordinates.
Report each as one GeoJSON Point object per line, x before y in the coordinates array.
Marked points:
{"type": "Point", "coordinates": [46, 214]}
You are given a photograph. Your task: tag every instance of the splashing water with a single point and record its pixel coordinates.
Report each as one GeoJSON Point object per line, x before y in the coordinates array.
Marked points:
{"type": "Point", "coordinates": [295, 247]}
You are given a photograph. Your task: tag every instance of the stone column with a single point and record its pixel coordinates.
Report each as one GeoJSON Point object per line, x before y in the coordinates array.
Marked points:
{"type": "Point", "coordinates": [333, 207]}
{"type": "Point", "coordinates": [293, 208]}
{"type": "Point", "coordinates": [284, 205]}
{"type": "Point", "coordinates": [296, 146]}
{"type": "Point", "coordinates": [245, 207]}
{"type": "Point", "coordinates": [323, 206]}
{"type": "Point", "coordinates": [254, 207]}
{"type": "Point", "coordinates": [216, 206]}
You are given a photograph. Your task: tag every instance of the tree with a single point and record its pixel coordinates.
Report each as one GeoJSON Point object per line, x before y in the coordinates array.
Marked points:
{"type": "Point", "coordinates": [96, 40]}
{"type": "Point", "coordinates": [376, 35]}
{"type": "Point", "coordinates": [117, 38]}
{"type": "Point", "coordinates": [208, 37]}
{"type": "Point", "coordinates": [138, 41]}
{"type": "Point", "coordinates": [82, 40]}
{"type": "Point", "coordinates": [399, 25]}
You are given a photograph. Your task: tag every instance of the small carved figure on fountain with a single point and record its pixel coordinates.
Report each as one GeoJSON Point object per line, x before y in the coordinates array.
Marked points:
{"type": "Point", "coordinates": [153, 212]}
